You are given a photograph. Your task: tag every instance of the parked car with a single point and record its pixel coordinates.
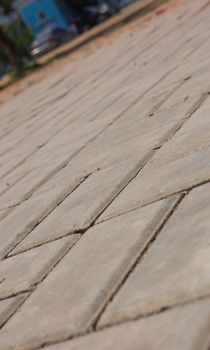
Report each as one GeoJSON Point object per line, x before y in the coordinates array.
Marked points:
{"type": "Point", "coordinates": [50, 38]}
{"type": "Point", "coordinates": [93, 14]}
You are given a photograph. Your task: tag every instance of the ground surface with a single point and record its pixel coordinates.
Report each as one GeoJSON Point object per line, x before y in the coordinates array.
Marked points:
{"type": "Point", "coordinates": [105, 194]}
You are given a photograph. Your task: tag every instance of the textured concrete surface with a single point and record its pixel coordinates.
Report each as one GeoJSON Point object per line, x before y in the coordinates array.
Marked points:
{"type": "Point", "coordinates": [184, 328]}
{"type": "Point", "coordinates": [9, 306]}
{"type": "Point", "coordinates": [105, 194]}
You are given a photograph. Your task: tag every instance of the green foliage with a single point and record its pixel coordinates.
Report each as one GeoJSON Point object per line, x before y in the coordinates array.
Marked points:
{"type": "Point", "coordinates": [15, 39]}
{"type": "Point", "coordinates": [20, 36]}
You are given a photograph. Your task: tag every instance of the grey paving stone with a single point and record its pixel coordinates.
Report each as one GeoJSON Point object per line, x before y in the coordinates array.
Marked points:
{"type": "Point", "coordinates": [23, 271]}
{"type": "Point", "coordinates": [182, 328]}
{"type": "Point", "coordinates": [9, 306]}
{"type": "Point", "coordinates": [68, 300]}
{"type": "Point", "coordinates": [198, 84]}
{"type": "Point", "coordinates": [3, 213]}
{"type": "Point", "coordinates": [23, 218]}
{"type": "Point", "coordinates": [181, 145]}
{"type": "Point", "coordinates": [26, 186]}
{"type": "Point", "coordinates": [152, 185]}
{"type": "Point", "coordinates": [175, 268]}
{"type": "Point", "coordinates": [8, 164]}
{"type": "Point", "coordinates": [136, 124]}
{"type": "Point", "coordinates": [199, 119]}
{"type": "Point", "coordinates": [91, 159]}
{"type": "Point", "coordinates": [83, 205]}
{"type": "Point", "coordinates": [27, 178]}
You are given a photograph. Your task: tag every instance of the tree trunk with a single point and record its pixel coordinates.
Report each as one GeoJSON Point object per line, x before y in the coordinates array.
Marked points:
{"type": "Point", "coordinates": [10, 51]}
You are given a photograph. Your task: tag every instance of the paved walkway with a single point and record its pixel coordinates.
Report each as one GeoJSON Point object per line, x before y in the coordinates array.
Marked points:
{"type": "Point", "coordinates": [105, 195]}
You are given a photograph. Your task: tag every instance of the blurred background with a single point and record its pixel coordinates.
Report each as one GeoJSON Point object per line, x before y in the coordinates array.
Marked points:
{"type": "Point", "coordinates": [30, 28]}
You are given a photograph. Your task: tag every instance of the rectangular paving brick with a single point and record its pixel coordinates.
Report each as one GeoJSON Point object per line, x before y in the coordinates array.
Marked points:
{"type": "Point", "coordinates": [26, 186]}
{"type": "Point", "coordinates": [197, 84]}
{"type": "Point", "coordinates": [83, 205]}
{"type": "Point", "coordinates": [9, 306]}
{"type": "Point", "coordinates": [92, 159]}
{"type": "Point", "coordinates": [71, 296]}
{"type": "Point", "coordinates": [181, 145]}
{"type": "Point", "coordinates": [199, 119]}
{"type": "Point", "coordinates": [21, 272]}
{"type": "Point", "coordinates": [3, 213]}
{"type": "Point", "coordinates": [152, 185]}
{"type": "Point", "coordinates": [182, 328]}
{"type": "Point", "coordinates": [135, 123]}
{"type": "Point", "coordinates": [23, 218]}
{"type": "Point", "coordinates": [175, 268]}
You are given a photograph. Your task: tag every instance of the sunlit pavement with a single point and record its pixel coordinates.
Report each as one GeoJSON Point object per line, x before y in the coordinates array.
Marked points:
{"type": "Point", "coordinates": [105, 194]}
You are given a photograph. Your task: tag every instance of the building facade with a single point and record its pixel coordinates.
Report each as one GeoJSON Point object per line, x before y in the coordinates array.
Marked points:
{"type": "Point", "coordinates": [37, 14]}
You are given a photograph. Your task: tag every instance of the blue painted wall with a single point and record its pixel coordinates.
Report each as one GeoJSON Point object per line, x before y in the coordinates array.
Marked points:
{"type": "Point", "coordinates": [40, 13]}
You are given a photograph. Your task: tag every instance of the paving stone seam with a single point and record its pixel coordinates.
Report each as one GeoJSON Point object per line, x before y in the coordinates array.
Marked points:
{"type": "Point", "coordinates": [165, 35]}
{"type": "Point", "coordinates": [140, 257]}
{"type": "Point", "coordinates": [191, 111]}
{"type": "Point", "coordinates": [194, 50]}
{"type": "Point", "coordinates": [148, 157]}
{"type": "Point", "coordinates": [41, 182]}
{"type": "Point", "coordinates": [4, 215]}
{"type": "Point", "coordinates": [135, 56]}
{"type": "Point", "coordinates": [34, 131]}
{"type": "Point", "coordinates": [55, 171]}
{"type": "Point", "coordinates": [153, 44]}
{"type": "Point", "coordinates": [177, 49]}
{"type": "Point", "coordinates": [105, 109]}
{"type": "Point", "coordinates": [118, 117]}
{"type": "Point", "coordinates": [123, 183]}
{"type": "Point", "coordinates": [76, 232]}
{"type": "Point", "coordinates": [186, 190]}
{"type": "Point", "coordinates": [94, 137]}
{"type": "Point", "coordinates": [41, 218]}
{"type": "Point", "coordinates": [111, 104]}
{"type": "Point", "coordinates": [168, 137]}
{"type": "Point", "coordinates": [45, 122]}
{"type": "Point", "coordinates": [115, 119]}
{"type": "Point", "coordinates": [92, 328]}
{"type": "Point", "coordinates": [61, 166]}
{"type": "Point", "coordinates": [128, 321]}
{"type": "Point", "coordinates": [83, 231]}
{"type": "Point", "coordinates": [203, 8]}
{"type": "Point", "coordinates": [14, 183]}
{"type": "Point", "coordinates": [72, 88]}
{"type": "Point", "coordinates": [46, 269]}
{"type": "Point", "coordinates": [159, 104]}
{"type": "Point", "coordinates": [17, 165]}
{"type": "Point", "coordinates": [34, 287]}
{"type": "Point", "coordinates": [27, 291]}
{"type": "Point", "coordinates": [191, 300]}
{"type": "Point", "coordinates": [25, 295]}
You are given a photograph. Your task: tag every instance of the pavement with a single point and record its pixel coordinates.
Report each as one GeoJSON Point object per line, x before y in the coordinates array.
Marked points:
{"type": "Point", "coordinates": [105, 194]}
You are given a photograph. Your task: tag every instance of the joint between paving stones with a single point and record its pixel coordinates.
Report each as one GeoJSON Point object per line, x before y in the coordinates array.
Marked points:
{"type": "Point", "coordinates": [16, 309]}
{"type": "Point", "coordinates": [156, 312]}
{"type": "Point", "coordinates": [89, 331]}
{"type": "Point", "coordinates": [8, 254]}
{"type": "Point", "coordinates": [34, 286]}
{"type": "Point", "coordinates": [139, 258]}
{"type": "Point", "coordinates": [194, 108]}
{"type": "Point", "coordinates": [203, 8]}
